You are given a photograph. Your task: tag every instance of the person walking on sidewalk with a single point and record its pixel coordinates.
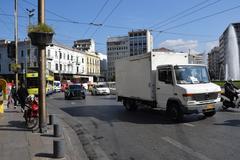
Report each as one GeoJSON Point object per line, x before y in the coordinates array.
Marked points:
{"type": "Point", "coordinates": [14, 95]}
{"type": "Point", "coordinates": [22, 95]}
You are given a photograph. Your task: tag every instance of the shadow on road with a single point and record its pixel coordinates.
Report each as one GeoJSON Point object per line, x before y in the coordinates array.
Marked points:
{"type": "Point", "coordinates": [233, 123]}
{"type": "Point", "coordinates": [14, 126]}
{"type": "Point", "coordinates": [116, 113]}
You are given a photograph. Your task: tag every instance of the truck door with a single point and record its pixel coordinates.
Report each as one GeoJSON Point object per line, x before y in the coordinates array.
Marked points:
{"type": "Point", "coordinates": [164, 86]}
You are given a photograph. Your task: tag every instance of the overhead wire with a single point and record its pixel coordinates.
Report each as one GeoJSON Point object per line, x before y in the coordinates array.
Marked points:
{"type": "Point", "coordinates": [99, 12]}
{"type": "Point", "coordinates": [188, 14]}
{"type": "Point", "coordinates": [107, 17]}
{"type": "Point", "coordinates": [180, 13]}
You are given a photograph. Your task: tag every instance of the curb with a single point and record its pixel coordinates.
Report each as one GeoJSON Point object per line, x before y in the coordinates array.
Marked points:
{"type": "Point", "coordinates": [88, 142]}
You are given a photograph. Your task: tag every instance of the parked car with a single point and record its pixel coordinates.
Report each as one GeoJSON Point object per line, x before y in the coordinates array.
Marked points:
{"type": "Point", "coordinates": [100, 89]}
{"type": "Point", "coordinates": [75, 90]}
{"type": "Point", "coordinates": [57, 86]}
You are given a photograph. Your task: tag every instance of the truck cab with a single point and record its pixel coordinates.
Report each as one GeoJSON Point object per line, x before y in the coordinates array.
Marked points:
{"type": "Point", "coordinates": [186, 89]}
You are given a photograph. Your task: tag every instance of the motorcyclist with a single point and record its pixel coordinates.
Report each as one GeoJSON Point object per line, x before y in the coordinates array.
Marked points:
{"type": "Point", "coordinates": [230, 90]}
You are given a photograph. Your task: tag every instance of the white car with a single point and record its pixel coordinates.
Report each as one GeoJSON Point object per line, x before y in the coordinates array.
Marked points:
{"type": "Point", "coordinates": [100, 90]}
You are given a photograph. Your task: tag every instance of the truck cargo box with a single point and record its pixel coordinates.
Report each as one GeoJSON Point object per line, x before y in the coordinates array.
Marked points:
{"type": "Point", "coordinates": [135, 75]}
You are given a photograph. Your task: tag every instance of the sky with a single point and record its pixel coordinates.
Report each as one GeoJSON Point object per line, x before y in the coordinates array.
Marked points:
{"type": "Point", "coordinates": [181, 25]}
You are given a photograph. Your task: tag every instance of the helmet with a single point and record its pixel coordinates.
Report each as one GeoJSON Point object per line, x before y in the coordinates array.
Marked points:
{"type": "Point", "coordinates": [30, 98]}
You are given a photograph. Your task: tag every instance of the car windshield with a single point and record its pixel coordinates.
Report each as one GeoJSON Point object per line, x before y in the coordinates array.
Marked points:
{"type": "Point", "coordinates": [191, 74]}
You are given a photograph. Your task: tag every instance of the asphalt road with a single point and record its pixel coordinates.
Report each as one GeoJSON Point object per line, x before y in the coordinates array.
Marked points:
{"type": "Point", "coordinates": [148, 135]}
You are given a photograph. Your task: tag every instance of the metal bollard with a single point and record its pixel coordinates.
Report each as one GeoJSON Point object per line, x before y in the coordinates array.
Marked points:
{"type": "Point", "coordinates": [58, 148]}
{"type": "Point", "coordinates": [51, 119]}
{"type": "Point", "coordinates": [57, 130]}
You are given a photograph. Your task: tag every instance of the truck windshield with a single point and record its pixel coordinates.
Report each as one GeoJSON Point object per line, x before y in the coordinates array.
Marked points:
{"type": "Point", "coordinates": [191, 74]}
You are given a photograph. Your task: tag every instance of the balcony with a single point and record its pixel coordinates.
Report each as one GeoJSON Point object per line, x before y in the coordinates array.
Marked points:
{"type": "Point", "coordinates": [49, 57]}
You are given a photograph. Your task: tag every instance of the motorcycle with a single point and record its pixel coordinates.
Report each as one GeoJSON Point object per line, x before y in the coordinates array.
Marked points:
{"type": "Point", "coordinates": [226, 100]}
{"type": "Point", "coordinates": [31, 115]}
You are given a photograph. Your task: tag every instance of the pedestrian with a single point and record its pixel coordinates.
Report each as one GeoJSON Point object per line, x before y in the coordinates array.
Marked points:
{"type": "Point", "coordinates": [14, 95]}
{"type": "Point", "coordinates": [22, 95]}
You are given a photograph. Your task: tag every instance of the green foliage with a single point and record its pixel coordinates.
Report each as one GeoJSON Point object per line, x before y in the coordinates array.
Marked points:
{"type": "Point", "coordinates": [221, 83]}
{"type": "Point", "coordinates": [40, 28]}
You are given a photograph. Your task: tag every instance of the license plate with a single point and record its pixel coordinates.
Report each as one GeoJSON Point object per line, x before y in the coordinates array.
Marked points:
{"type": "Point", "coordinates": [210, 106]}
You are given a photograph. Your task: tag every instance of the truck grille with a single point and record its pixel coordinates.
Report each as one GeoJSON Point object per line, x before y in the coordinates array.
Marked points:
{"type": "Point", "coordinates": [205, 96]}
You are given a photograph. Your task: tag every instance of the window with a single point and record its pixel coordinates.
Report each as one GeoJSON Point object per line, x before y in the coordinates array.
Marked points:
{"type": "Point", "coordinates": [71, 57]}
{"type": "Point", "coordinates": [49, 65]}
{"type": "Point", "coordinates": [56, 55]}
{"type": "Point", "coordinates": [82, 60]}
{"type": "Point", "coordinates": [22, 53]}
{"type": "Point", "coordinates": [22, 66]}
{"type": "Point", "coordinates": [36, 52]}
{"type": "Point", "coordinates": [28, 52]}
{"type": "Point", "coordinates": [68, 57]}
{"type": "Point", "coordinates": [56, 66]}
{"type": "Point", "coordinates": [49, 53]}
{"type": "Point", "coordinates": [77, 69]}
{"type": "Point", "coordinates": [60, 55]}
{"type": "Point", "coordinates": [64, 56]}
{"type": "Point", "coordinates": [60, 67]}
{"type": "Point", "coordinates": [9, 67]}
{"type": "Point", "coordinates": [165, 75]}
{"type": "Point", "coordinates": [35, 64]}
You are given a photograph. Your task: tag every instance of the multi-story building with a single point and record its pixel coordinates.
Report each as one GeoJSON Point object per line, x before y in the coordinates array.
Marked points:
{"type": "Point", "coordinates": [117, 47]}
{"type": "Point", "coordinates": [64, 62]}
{"type": "Point", "coordinates": [140, 42]}
{"type": "Point", "coordinates": [87, 45]}
{"type": "Point", "coordinates": [136, 42]}
{"type": "Point", "coordinates": [229, 59]}
{"type": "Point", "coordinates": [93, 63]}
{"type": "Point", "coordinates": [213, 63]}
{"type": "Point", "coordinates": [194, 58]}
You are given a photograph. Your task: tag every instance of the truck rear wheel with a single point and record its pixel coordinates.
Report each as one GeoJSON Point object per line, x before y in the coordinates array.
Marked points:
{"type": "Point", "coordinates": [130, 105]}
{"type": "Point", "coordinates": [174, 112]}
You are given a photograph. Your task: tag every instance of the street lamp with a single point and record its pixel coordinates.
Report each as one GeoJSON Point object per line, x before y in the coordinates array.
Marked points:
{"type": "Point", "coordinates": [30, 15]}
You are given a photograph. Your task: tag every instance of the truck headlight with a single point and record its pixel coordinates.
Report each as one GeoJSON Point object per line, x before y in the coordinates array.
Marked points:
{"type": "Point", "coordinates": [219, 94]}
{"type": "Point", "coordinates": [188, 97]}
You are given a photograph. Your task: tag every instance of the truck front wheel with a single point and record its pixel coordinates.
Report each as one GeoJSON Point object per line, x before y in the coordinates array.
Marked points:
{"type": "Point", "coordinates": [174, 112]}
{"type": "Point", "coordinates": [130, 105]}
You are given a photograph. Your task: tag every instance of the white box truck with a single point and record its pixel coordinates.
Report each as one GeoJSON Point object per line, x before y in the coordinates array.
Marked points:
{"type": "Point", "coordinates": [166, 81]}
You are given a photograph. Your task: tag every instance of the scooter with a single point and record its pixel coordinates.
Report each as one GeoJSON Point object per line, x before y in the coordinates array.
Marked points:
{"type": "Point", "coordinates": [31, 113]}
{"type": "Point", "coordinates": [227, 103]}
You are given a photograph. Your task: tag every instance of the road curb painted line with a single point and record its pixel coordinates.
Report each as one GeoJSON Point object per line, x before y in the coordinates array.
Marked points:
{"type": "Point", "coordinates": [189, 124]}
{"type": "Point", "coordinates": [185, 148]}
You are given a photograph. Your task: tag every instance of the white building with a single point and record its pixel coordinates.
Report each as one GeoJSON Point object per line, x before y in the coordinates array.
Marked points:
{"type": "Point", "coordinates": [117, 47]}
{"type": "Point", "coordinates": [140, 41]}
{"type": "Point", "coordinates": [85, 45]}
{"type": "Point", "coordinates": [137, 42]}
{"type": "Point", "coordinates": [63, 61]}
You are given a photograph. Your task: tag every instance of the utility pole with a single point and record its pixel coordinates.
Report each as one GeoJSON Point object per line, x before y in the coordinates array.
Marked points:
{"type": "Point", "coordinates": [30, 15]}
{"type": "Point", "coordinates": [16, 40]}
{"type": "Point", "coordinates": [42, 73]}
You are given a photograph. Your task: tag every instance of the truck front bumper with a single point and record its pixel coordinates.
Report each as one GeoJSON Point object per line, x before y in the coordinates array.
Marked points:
{"type": "Point", "coordinates": [201, 108]}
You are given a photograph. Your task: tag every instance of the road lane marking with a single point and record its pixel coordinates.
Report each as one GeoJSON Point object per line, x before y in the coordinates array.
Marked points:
{"type": "Point", "coordinates": [185, 148]}
{"type": "Point", "coordinates": [189, 124]}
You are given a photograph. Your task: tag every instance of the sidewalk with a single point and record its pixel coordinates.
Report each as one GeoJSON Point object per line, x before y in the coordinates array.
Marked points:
{"type": "Point", "coordinates": [19, 143]}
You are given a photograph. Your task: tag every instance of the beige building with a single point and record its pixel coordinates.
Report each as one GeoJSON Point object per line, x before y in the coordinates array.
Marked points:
{"type": "Point", "coordinates": [93, 63]}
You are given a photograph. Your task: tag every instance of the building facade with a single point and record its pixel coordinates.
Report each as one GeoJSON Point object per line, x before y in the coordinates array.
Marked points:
{"type": "Point", "coordinates": [135, 43]}
{"type": "Point", "coordinates": [64, 62]}
{"type": "Point", "coordinates": [87, 45]}
{"type": "Point", "coordinates": [214, 63]}
{"type": "Point", "coordinates": [117, 47]}
{"type": "Point", "coordinates": [140, 42]}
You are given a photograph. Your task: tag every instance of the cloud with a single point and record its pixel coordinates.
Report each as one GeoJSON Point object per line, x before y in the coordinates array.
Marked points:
{"type": "Point", "coordinates": [180, 45]}
{"type": "Point", "coordinates": [211, 45]}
